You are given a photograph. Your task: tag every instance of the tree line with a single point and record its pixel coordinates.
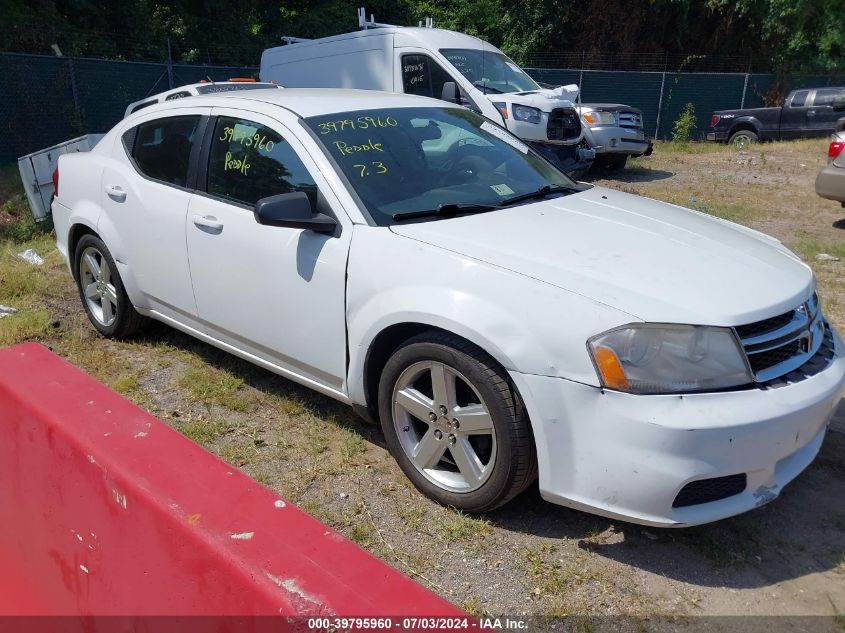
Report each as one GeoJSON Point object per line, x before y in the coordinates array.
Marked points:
{"type": "Point", "coordinates": [774, 35]}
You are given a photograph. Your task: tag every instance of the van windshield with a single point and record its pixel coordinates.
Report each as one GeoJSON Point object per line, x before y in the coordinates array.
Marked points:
{"type": "Point", "coordinates": [488, 71]}
{"type": "Point", "coordinates": [426, 163]}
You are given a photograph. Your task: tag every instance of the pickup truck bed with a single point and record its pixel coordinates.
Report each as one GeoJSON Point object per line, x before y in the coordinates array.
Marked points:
{"type": "Point", "coordinates": [805, 112]}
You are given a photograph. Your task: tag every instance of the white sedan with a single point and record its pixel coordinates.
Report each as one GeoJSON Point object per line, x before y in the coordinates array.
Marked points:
{"type": "Point", "coordinates": [503, 322]}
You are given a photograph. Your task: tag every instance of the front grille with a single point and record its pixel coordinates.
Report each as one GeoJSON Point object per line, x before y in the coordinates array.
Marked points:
{"type": "Point", "coordinates": [707, 490]}
{"type": "Point", "coordinates": [564, 125]}
{"type": "Point", "coordinates": [781, 344]}
{"type": "Point", "coordinates": [766, 325]}
{"type": "Point", "coordinates": [770, 358]}
{"type": "Point", "coordinates": [632, 120]}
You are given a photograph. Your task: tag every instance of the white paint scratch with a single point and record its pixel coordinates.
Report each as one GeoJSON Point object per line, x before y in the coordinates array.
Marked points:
{"type": "Point", "coordinates": [243, 536]}
{"type": "Point", "coordinates": [93, 535]}
{"type": "Point", "coordinates": [106, 434]}
{"type": "Point", "coordinates": [291, 586]}
{"type": "Point", "coordinates": [91, 459]}
{"type": "Point", "coordinates": [279, 503]}
{"type": "Point", "coordinates": [108, 410]}
{"type": "Point", "coordinates": [141, 434]}
{"type": "Point", "coordinates": [83, 568]}
{"type": "Point", "coordinates": [90, 402]}
{"type": "Point", "coordinates": [119, 498]}
{"type": "Point", "coordinates": [79, 537]}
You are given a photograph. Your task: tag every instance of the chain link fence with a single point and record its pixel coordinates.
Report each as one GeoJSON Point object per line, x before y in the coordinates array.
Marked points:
{"type": "Point", "coordinates": [52, 99]}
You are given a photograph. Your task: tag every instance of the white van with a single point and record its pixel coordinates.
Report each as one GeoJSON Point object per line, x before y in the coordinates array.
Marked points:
{"type": "Point", "coordinates": [442, 64]}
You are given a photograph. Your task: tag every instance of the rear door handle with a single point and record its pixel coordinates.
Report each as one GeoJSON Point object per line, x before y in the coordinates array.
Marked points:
{"type": "Point", "coordinates": [115, 192]}
{"type": "Point", "coordinates": [811, 113]}
{"type": "Point", "coordinates": [207, 222]}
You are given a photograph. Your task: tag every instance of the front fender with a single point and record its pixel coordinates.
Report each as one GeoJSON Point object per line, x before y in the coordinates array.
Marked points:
{"type": "Point", "coordinates": [526, 325]}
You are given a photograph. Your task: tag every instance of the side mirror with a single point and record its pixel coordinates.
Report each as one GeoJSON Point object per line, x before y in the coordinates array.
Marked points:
{"type": "Point", "coordinates": [294, 211]}
{"type": "Point", "coordinates": [838, 102]}
{"type": "Point", "coordinates": [450, 92]}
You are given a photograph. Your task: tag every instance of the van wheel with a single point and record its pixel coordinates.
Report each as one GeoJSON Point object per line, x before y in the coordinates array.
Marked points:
{"type": "Point", "coordinates": [101, 290]}
{"type": "Point", "coordinates": [742, 139]}
{"type": "Point", "coordinates": [454, 423]}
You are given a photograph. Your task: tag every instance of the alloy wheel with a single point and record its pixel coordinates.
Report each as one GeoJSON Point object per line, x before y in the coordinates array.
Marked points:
{"type": "Point", "coordinates": [95, 276]}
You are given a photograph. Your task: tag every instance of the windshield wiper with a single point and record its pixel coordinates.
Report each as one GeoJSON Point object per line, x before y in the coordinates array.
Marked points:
{"type": "Point", "coordinates": [446, 210]}
{"type": "Point", "coordinates": [483, 85]}
{"type": "Point", "coordinates": [539, 194]}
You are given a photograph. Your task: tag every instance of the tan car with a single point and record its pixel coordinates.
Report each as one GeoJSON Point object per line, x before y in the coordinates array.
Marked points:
{"type": "Point", "coordinates": [830, 183]}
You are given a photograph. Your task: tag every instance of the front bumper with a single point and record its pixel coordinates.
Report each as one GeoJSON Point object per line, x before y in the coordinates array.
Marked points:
{"type": "Point", "coordinates": [628, 456]}
{"type": "Point", "coordinates": [570, 159]}
{"type": "Point", "coordinates": [619, 140]}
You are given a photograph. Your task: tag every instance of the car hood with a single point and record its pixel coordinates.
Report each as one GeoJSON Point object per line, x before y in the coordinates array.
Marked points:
{"type": "Point", "coordinates": [545, 99]}
{"type": "Point", "coordinates": [657, 262]}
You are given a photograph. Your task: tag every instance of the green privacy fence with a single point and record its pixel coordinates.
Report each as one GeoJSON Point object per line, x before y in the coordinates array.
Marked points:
{"type": "Point", "coordinates": [663, 95]}
{"type": "Point", "coordinates": [47, 100]}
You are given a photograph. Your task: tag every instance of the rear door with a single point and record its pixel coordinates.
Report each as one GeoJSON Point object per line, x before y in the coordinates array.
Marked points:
{"type": "Point", "coordinates": [276, 293]}
{"type": "Point", "coordinates": [145, 194]}
{"type": "Point", "coordinates": [821, 117]}
{"type": "Point", "coordinates": [793, 116]}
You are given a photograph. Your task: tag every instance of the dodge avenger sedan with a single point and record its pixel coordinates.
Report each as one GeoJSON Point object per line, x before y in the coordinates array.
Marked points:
{"type": "Point", "coordinates": [503, 323]}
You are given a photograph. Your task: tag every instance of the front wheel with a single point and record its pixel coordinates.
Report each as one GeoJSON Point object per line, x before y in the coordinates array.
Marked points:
{"type": "Point", "coordinates": [454, 423]}
{"type": "Point", "coordinates": [101, 290]}
{"type": "Point", "coordinates": [742, 139]}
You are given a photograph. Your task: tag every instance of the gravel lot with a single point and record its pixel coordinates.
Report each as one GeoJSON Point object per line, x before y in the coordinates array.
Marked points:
{"type": "Point", "coordinates": [529, 557]}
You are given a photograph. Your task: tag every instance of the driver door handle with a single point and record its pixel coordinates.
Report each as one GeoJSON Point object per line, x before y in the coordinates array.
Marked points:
{"type": "Point", "coordinates": [207, 222]}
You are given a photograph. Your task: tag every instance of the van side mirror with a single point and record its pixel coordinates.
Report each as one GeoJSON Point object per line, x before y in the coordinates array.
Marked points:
{"type": "Point", "coordinates": [450, 92]}
{"type": "Point", "coordinates": [838, 102]}
{"type": "Point", "coordinates": [294, 211]}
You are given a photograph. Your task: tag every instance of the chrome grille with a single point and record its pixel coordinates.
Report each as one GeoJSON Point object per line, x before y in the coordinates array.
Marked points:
{"type": "Point", "coordinates": [781, 344]}
{"type": "Point", "coordinates": [631, 120]}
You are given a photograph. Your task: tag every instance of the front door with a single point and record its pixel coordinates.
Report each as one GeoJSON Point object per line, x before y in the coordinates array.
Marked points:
{"type": "Point", "coordinates": [821, 116]}
{"type": "Point", "coordinates": [275, 293]}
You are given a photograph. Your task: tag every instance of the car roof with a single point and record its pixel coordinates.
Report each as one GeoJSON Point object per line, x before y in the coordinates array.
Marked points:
{"type": "Point", "coordinates": [308, 102]}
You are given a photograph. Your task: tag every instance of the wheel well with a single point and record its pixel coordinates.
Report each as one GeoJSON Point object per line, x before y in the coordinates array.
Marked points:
{"type": "Point", "coordinates": [75, 234]}
{"type": "Point", "coordinates": [386, 342]}
{"type": "Point", "coordinates": [742, 126]}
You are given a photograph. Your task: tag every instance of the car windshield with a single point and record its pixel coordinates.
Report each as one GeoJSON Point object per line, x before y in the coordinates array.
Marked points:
{"type": "Point", "coordinates": [490, 72]}
{"type": "Point", "coordinates": [426, 162]}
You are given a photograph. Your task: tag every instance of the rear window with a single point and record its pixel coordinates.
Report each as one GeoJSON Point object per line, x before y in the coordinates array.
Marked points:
{"type": "Point", "coordinates": [161, 148]}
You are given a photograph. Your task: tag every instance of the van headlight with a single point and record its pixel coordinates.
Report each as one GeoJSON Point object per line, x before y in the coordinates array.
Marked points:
{"type": "Point", "coordinates": [526, 113]}
{"type": "Point", "coordinates": [667, 358]}
{"type": "Point", "coordinates": [599, 117]}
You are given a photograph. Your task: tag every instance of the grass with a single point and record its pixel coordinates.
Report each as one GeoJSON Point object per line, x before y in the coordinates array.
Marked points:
{"type": "Point", "coordinates": [730, 543]}
{"type": "Point", "coordinates": [203, 430]}
{"type": "Point", "coordinates": [457, 526]}
{"type": "Point", "coordinates": [213, 386]}
{"type": "Point", "coordinates": [808, 246]}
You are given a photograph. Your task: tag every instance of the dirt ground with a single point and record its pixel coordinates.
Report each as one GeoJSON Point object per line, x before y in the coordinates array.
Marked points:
{"type": "Point", "coordinates": [529, 557]}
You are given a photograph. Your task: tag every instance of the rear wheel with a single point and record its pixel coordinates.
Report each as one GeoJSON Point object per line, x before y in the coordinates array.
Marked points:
{"type": "Point", "coordinates": [742, 139]}
{"type": "Point", "coordinates": [102, 292]}
{"type": "Point", "coordinates": [454, 424]}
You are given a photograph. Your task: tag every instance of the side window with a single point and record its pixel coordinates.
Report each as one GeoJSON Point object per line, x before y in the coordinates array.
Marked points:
{"type": "Point", "coordinates": [824, 96]}
{"type": "Point", "coordinates": [423, 76]}
{"type": "Point", "coordinates": [249, 161]}
{"type": "Point", "coordinates": [162, 148]}
{"type": "Point", "coordinates": [798, 99]}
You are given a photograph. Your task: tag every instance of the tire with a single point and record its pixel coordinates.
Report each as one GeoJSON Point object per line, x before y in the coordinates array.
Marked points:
{"type": "Point", "coordinates": [617, 163]}
{"type": "Point", "coordinates": [102, 292]}
{"type": "Point", "coordinates": [476, 465]}
{"type": "Point", "coordinates": [742, 139]}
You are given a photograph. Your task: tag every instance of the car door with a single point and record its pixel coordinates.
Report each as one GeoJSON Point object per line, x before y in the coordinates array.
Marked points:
{"type": "Point", "coordinates": [821, 116]}
{"type": "Point", "coordinates": [793, 116]}
{"type": "Point", "coordinates": [145, 196]}
{"type": "Point", "coordinates": [275, 294]}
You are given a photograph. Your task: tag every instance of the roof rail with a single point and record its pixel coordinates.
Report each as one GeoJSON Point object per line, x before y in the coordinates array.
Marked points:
{"type": "Point", "coordinates": [364, 24]}
{"type": "Point", "coordinates": [290, 39]}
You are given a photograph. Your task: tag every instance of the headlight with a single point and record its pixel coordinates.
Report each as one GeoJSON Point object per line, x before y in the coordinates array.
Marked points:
{"type": "Point", "coordinates": [657, 358]}
{"type": "Point", "coordinates": [597, 117]}
{"type": "Point", "coordinates": [525, 113]}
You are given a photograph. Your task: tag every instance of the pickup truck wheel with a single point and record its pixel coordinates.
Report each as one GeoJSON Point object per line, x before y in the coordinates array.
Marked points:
{"type": "Point", "coordinates": [102, 292]}
{"type": "Point", "coordinates": [617, 163]}
{"type": "Point", "coordinates": [742, 139]}
{"type": "Point", "coordinates": [454, 423]}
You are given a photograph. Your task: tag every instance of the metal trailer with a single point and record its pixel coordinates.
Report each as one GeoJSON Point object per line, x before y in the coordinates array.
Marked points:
{"type": "Point", "coordinates": [37, 169]}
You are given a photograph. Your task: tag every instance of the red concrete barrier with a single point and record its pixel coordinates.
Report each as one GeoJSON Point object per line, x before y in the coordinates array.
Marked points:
{"type": "Point", "coordinates": [105, 510]}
